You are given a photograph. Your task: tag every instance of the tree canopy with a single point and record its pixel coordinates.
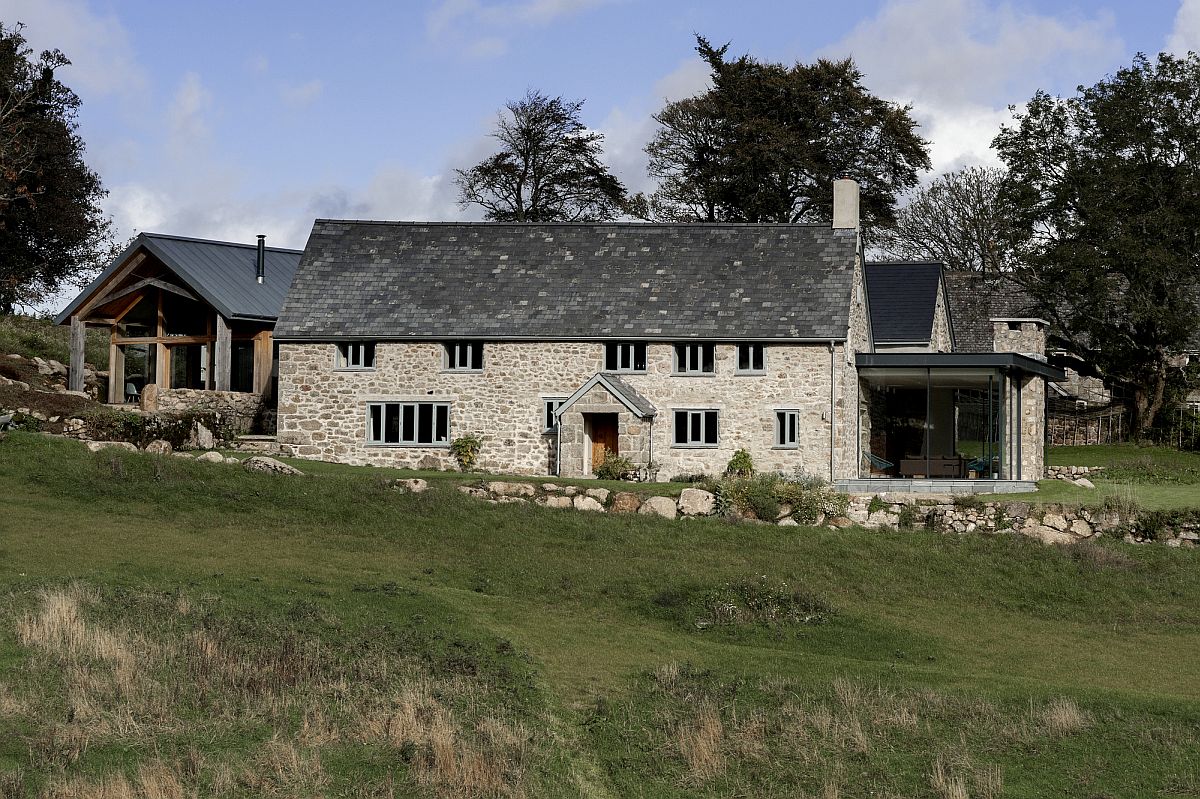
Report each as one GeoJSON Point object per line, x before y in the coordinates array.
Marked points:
{"type": "Point", "coordinates": [548, 168]}
{"type": "Point", "coordinates": [955, 220]}
{"type": "Point", "coordinates": [1103, 198]}
{"type": "Point", "coordinates": [766, 142]}
{"type": "Point", "coordinates": [52, 229]}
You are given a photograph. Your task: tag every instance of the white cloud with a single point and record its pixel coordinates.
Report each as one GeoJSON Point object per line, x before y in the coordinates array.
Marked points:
{"type": "Point", "coordinates": [962, 62]}
{"type": "Point", "coordinates": [1185, 37]}
{"type": "Point", "coordinates": [98, 45]}
{"type": "Point", "coordinates": [187, 116]}
{"type": "Point", "coordinates": [481, 29]}
{"type": "Point", "coordinates": [302, 95]}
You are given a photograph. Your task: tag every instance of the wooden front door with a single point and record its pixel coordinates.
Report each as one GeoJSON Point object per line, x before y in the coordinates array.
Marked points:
{"type": "Point", "coordinates": [603, 431]}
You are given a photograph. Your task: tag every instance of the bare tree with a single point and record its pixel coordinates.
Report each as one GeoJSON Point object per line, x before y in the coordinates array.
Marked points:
{"type": "Point", "coordinates": [548, 168]}
{"type": "Point", "coordinates": [955, 220]}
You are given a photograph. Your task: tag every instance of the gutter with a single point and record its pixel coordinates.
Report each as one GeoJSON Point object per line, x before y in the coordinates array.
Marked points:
{"type": "Point", "coordinates": [832, 400]}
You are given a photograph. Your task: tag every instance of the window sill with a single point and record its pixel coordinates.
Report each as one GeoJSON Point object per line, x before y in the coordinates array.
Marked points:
{"type": "Point", "coordinates": [693, 374]}
{"type": "Point", "coordinates": [354, 368]}
{"type": "Point", "coordinates": [625, 371]}
{"type": "Point", "coordinates": [785, 447]}
{"type": "Point", "coordinates": [382, 445]}
{"type": "Point", "coordinates": [695, 446]}
{"type": "Point", "coordinates": [462, 371]}
{"type": "Point", "coordinates": [755, 373]}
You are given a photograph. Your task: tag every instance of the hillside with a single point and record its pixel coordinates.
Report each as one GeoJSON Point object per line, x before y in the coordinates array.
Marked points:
{"type": "Point", "coordinates": [173, 628]}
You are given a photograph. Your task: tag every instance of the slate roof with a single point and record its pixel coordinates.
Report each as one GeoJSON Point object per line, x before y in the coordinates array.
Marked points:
{"type": "Point", "coordinates": [902, 297]}
{"type": "Point", "coordinates": [625, 393]}
{"type": "Point", "coordinates": [394, 280]}
{"type": "Point", "coordinates": [975, 299]}
{"type": "Point", "coordinates": [222, 273]}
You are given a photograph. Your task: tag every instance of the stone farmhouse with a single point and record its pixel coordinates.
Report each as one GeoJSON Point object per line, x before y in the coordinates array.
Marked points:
{"type": "Point", "coordinates": [671, 345]}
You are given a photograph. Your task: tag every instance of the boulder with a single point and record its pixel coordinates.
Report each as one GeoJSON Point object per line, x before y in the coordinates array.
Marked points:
{"type": "Point", "coordinates": [1056, 521]}
{"type": "Point", "coordinates": [788, 522]}
{"type": "Point", "coordinates": [148, 402]}
{"type": "Point", "coordinates": [588, 503]}
{"type": "Point", "coordinates": [182, 454]}
{"type": "Point", "coordinates": [472, 491]}
{"type": "Point", "coordinates": [1081, 528]}
{"type": "Point", "coordinates": [625, 502]}
{"type": "Point", "coordinates": [261, 463]}
{"type": "Point", "coordinates": [1048, 535]}
{"type": "Point", "coordinates": [658, 506]}
{"type": "Point", "coordinates": [1083, 482]}
{"type": "Point", "coordinates": [211, 457]}
{"type": "Point", "coordinates": [412, 485]}
{"type": "Point", "coordinates": [159, 447]}
{"type": "Point", "coordinates": [841, 521]}
{"type": "Point", "coordinates": [554, 502]}
{"type": "Point", "coordinates": [57, 368]}
{"type": "Point", "coordinates": [96, 446]}
{"type": "Point", "coordinates": [696, 502]}
{"type": "Point", "coordinates": [231, 459]}
{"type": "Point", "coordinates": [550, 488]}
{"type": "Point", "coordinates": [509, 500]}
{"type": "Point", "coordinates": [503, 489]}
{"type": "Point", "coordinates": [598, 494]}
{"type": "Point", "coordinates": [201, 437]}
{"type": "Point", "coordinates": [43, 367]}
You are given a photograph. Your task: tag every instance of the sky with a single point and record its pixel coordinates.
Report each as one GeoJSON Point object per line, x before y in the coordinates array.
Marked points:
{"type": "Point", "coordinates": [228, 118]}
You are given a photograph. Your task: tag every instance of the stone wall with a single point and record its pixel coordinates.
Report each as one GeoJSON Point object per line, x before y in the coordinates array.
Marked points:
{"type": "Point", "coordinates": [633, 434]}
{"type": "Point", "coordinates": [939, 339]}
{"type": "Point", "coordinates": [239, 409]}
{"type": "Point", "coordinates": [322, 412]}
{"type": "Point", "coordinates": [1024, 336]}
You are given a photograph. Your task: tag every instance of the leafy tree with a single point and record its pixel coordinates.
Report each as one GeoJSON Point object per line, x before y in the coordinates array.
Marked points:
{"type": "Point", "coordinates": [1103, 193]}
{"type": "Point", "coordinates": [548, 168]}
{"type": "Point", "coordinates": [52, 230]}
{"type": "Point", "coordinates": [766, 142]}
{"type": "Point", "coordinates": [956, 220]}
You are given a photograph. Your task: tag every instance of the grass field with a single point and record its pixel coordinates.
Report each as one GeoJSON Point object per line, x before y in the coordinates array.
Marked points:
{"type": "Point", "coordinates": [33, 336]}
{"type": "Point", "coordinates": [1155, 478]}
{"type": "Point", "coordinates": [170, 628]}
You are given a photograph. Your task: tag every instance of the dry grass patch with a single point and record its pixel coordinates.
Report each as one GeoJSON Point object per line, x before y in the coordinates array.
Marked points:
{"type": "Point", "coordinates": [702, 745]}
{"type": "Point", "coordinates": [1061, 716]}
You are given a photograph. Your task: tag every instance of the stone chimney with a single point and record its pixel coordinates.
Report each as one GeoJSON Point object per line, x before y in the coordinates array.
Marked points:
{"type": "Point", "coordinates": [845, 204]}
{"type": "Point", "coordinates": [1022, 336]}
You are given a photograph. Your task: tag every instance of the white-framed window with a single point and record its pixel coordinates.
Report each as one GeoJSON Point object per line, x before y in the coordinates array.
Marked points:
{"type": "Point", "coordinates": [464, 356]}
{"type": "Point", "coordinates": [695, 427]}
{"type": "Point", "coordinates": [752, 359]}
{"type": "Point", "coordinates": [355, 356]}
{"type": "Point", "coordinates": [549, 406]}
{"type": "Point", "coordinates": [625, 356]}
{"type": "Point", "coordinates": [414, 424]}
{"type": "Point", "coordinates": [695, 359]}
{"type": "Point", "coordinates": [787, 429]}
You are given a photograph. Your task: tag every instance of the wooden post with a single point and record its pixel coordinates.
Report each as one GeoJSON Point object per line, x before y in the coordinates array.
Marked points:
{"type": "Point", "coordinates": [78, 341]}
{"type": "Point", "coordinates": [222, 355]}
{"type": "Point", "coordinates": [264, 356]}
{"type": "Point", "coordinates": [116, 374]}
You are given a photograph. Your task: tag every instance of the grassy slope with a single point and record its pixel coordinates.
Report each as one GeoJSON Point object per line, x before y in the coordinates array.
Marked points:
{"type": "Point", "coordinates": [1156, 478]}
{"type": "Point", "coordinates": [32, 336]}
{"type": "Point", "coordinates": [946, 654]}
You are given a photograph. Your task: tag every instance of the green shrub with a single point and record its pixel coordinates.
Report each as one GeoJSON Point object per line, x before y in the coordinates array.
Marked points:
{"type": "Point", "coordinates": [876, 505]}
{"type": "Point", "coordinates": [968, 501]}
{"type": "Point", "coordinates": [110, 424]}
{"type": "Point", "coordinates": [615, 467]}
{"type": "Point", "coordinates": [908, 516]}
{"type": "Point", "coordinates": [465, 450]}
{"type": "Point", "coordinates": [761, 601]}
{"type": "Point", "coordinates": [811, 498]}
{"type": "Point", "coordinates": [740, 465]}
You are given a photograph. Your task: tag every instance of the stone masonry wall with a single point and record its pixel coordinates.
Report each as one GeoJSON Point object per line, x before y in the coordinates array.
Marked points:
{"type": "Point", "coordinates": [633, 434]}
{"type": "Point", "coordinates": [1025, 336]}
{"type": "Point", "coordinates": [322, 412]}
{"type": "Point", "coordinates": [939, 339]}
{"type": "Point", "coordinates": [239, 408]}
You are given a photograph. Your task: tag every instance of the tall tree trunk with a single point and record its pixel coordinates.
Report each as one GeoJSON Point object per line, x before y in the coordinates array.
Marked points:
{"type": "Point", "coordinates": [1148, 399]}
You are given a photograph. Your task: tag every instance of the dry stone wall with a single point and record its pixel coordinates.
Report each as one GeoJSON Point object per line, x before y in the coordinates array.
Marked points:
{"type": "Point", "coordinates": [238, 409]}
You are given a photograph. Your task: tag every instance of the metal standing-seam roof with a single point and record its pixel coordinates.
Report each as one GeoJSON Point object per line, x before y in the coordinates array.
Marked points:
{"type": "Point", "coordinates": [903, 299]}
{"type": "Point", "coordinates": [395, 280]}
{"type": "Point", "coordinates": [222, 273]}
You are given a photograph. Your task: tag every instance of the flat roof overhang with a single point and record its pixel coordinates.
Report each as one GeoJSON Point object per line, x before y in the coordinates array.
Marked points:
{"type": "Point", "coordinates": [1006, 361]}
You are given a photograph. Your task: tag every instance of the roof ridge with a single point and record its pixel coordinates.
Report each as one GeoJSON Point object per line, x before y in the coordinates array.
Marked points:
{"type": "Point", "coordinates": [173, 237]}
{"type": "Point", "coordinates": [414, 223]}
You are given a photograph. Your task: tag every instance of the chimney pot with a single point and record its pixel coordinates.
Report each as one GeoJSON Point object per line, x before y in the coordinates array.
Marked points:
{"type": "Point", "coordinates": [260, 265]}
{"type": "Point", "coordinates": [845, 204]}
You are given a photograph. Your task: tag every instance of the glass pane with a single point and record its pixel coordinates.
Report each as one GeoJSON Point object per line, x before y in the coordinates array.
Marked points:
{"type": "Point", "coordinates": [792, 421]}
{"type": "Point", "coordinates": [681, 422]}
{"type": "Point", "coordinates": [757, 351]}
{"type": "Point", "coordinates": [425, 423]}
{"type": "Point", "coordinates": [625, 356]}
{"type": "Point", "coordinates": [696, 434]}
{"type": "Point", "coordinates": [410, 426]}
{"type": "Point", "coordinates": [610, 357]}
{"type": "Point", "coordinates": [375, 425]}
{"type": "Point", "coordinates": [709, 365]}
{"type": "Point", "coordinates": [780, 423]}
{"type": "Point", "coordinates": [639, 357]}
{"type": "Point", "coordinates": [680, 358]}
{"type": "Point", "coordinates": [743, 357]}
{"type": "Point", "coordinates": [391, 432]}
{"type": "Point", "coordinates": [477, 355]}
{"type": "Point", "coordinates": [443, 424]}
{"type": "Point", "coordinates": [710, 427]}
{"type": "Point", "coordinates": [369, 356]}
